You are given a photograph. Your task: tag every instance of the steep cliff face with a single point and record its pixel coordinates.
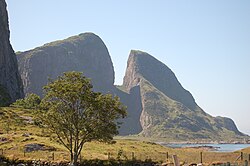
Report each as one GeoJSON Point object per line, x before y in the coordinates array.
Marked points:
{"type": "Point", "coordinates": [168, 110]}
{"type": "Point", "coordinates": [85, 53]}
{"type": "Point", "coordinates": [158, 74]}
{"type": "Point", "coordinates": [10, 81]}
{"type": "Point", "coordinates": [132, 100]}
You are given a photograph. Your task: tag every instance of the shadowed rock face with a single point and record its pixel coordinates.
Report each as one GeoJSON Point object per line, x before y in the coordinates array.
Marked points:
{"type": "Point", "coordinates": [85, 53]}
{"type": "Point", "coordinates": [10, 81]}
{"type": "Point", "coordinates": [167, 109]}
{"type": "Point", "coordinates": [131, 124]}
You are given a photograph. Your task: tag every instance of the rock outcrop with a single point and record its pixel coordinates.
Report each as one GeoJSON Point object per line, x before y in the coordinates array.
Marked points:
{"type": "Point", "coordinates": [85, 53]}
{"type": "Point", "coordinates": [168, 110]}
{"type": "Point", "coordinates": [10, 81]}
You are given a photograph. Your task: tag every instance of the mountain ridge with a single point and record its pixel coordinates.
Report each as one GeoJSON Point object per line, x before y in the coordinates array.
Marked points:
{"type": "Point", "coordinates": [166, 105]}
{"type": "Point", "coordinates": [158, 105]}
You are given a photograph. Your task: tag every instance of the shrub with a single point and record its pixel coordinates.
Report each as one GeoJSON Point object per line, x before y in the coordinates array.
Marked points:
{"type": "Point", "coordinates": [29, 102]}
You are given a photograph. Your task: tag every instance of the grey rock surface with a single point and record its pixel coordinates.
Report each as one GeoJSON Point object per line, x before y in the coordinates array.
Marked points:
{"type": "Point", "coordinates": [10, 80]}
{"type": "Point", "coordinates": [85, 53]}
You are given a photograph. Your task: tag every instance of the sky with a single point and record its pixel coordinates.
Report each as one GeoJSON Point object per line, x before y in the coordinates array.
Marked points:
{"type": "Point", "coordinates": [206, 43]}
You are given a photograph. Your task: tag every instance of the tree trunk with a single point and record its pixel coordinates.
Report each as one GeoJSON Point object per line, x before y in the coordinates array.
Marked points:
{"type": "Point", "coordinates": [73, 159]}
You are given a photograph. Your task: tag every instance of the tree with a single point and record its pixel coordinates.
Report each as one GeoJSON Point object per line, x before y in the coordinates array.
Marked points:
{"type": "Point", "coordinates": [76, 114]}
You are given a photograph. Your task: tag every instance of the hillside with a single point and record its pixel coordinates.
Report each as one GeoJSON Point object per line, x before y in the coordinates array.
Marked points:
{"type": "Point", "coordinates": [18, 130]}
{"type": "Point", "coordinates": [168, 110]}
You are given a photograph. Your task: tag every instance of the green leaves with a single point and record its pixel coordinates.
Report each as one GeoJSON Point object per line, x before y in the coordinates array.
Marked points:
{"type": "Point", "coordinates": [77, 114]}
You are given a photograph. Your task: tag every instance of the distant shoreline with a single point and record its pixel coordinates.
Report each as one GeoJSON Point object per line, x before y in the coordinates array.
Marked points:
{"type": "Point", "coordinates": [219, 147]}
{"type": "Point", "coordinates": [208, 142]}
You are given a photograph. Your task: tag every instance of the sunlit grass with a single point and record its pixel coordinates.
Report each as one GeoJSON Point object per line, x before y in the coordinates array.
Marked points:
{"type": "Point", "coordinates": [14, 127]}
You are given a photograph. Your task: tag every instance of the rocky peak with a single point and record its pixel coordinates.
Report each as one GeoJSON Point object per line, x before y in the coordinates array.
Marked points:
{"type": "Point", "coordinates": [167, 109]}
{"type": "Point", "coordinates": [85, 53]}
{"type": "Point", "coordinates": [143, 65]}
{"type": "Point", "coordinates": [10, 81]}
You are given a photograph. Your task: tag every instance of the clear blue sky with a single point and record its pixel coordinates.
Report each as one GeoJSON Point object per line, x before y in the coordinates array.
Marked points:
{"type": "Point", "coordinates": [205, 42]}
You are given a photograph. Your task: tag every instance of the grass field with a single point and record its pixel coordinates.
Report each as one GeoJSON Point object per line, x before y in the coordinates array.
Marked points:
{"type": "Point", "coordinates": [17, 129]}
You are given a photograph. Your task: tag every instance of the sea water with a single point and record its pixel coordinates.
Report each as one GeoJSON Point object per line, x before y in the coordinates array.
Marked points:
{"type": "Point", "coordinates": [216, 147]}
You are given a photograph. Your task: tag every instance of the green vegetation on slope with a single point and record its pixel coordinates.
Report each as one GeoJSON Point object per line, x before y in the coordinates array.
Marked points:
{"type": "Point", "coordinates": [29, 102]}
{"type": "Point", "coordinates": [167, 118]}
{"type": "Point", "coordinates": [18, 128]}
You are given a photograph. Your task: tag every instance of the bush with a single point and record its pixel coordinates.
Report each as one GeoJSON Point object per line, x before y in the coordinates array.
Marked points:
{"type": "Point", "coordinates": [29, 102]}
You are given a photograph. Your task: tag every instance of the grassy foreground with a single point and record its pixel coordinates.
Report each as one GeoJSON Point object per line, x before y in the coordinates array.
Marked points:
{"type": "Point", "coordinates": [17, 129]}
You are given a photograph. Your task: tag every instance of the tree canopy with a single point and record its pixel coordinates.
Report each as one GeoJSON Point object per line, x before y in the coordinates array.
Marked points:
{"type": "Point", "coordinates": [77, 114]}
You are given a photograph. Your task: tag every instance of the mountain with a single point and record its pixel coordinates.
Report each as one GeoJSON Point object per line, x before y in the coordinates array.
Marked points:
{"type": "Point", "coordinates": [157, 104]}
{"type": "Point", "coordinates": [10, 80]}
{"type": "Point", "coordinates": [85, 53]}
{"type": "Point", "coordinates": [168, 110]}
